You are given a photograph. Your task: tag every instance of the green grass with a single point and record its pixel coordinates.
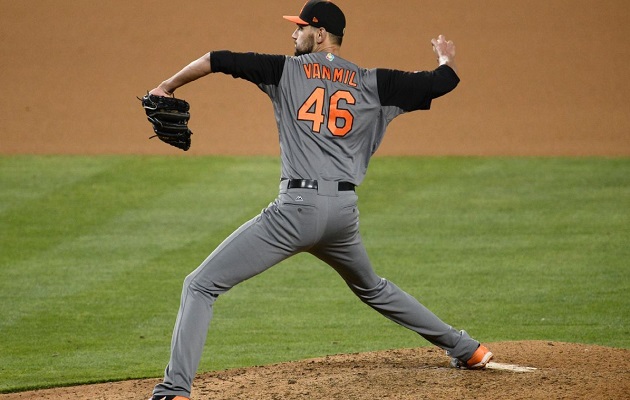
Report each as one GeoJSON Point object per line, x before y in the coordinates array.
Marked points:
{"type": "Point", "coordinates": [94, 250]}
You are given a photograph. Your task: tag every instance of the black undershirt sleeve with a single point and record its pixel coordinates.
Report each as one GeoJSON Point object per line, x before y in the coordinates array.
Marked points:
{"type": "Point", "coordinates": [257, 68]}
{"type": "Point", "coordinates": [414, 90]}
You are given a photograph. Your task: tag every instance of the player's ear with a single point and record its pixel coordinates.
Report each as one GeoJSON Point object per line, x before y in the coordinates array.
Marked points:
{"type": "Point", "coordinates": [321, 35]}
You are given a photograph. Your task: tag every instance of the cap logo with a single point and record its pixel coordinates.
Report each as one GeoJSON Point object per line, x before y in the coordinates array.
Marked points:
{"type": "Point", "coordinates": [320, 14]}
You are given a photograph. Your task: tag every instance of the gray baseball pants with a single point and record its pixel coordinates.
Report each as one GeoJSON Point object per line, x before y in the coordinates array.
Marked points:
{"type": "Point", "coordinates": [323, 222]}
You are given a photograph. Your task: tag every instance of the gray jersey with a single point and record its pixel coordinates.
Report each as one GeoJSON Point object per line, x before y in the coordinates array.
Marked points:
{"type": "Point", "coordinates": [332, 114]}
{"type": "Point", "coordinates": [329, 117]}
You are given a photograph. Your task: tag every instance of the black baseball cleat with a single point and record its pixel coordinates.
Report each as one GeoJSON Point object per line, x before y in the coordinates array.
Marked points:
{"type": "Point", "coordinates": [156, 397]}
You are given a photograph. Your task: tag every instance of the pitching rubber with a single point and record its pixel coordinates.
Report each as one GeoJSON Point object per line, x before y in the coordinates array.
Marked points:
{"type": "Point", "coordinates": [509, 367]}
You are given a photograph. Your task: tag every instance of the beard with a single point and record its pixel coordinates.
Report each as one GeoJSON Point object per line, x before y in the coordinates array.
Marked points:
{"type": "Point", "coordinates": [307, 46]}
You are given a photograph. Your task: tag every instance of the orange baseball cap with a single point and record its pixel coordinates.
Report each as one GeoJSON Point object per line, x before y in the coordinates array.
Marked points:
{"type": "Point", "coordinates": [321, 14]}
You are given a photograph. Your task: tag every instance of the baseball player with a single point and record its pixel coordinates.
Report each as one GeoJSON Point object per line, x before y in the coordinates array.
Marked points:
{"type": "Point", "coordinates": [331, 116]}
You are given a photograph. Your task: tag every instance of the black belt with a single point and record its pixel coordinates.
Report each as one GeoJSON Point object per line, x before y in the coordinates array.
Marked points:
{"type": "Point", "coordinates": [312, 184]}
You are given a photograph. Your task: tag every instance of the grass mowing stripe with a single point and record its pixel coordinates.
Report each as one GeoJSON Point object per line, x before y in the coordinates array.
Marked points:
{"type": "Point", "coordinates": [542, 225]}
{"type": "Point", "coordinates": [26, 178]}
{"type": "Point", "coordinates": [543, 241]}
{"type": "Point", "coordinates": [75, 206]}
{"type": "Point", "coordinates": [60, 234]}
{"type": "Point", "coordinates": [118, 237]}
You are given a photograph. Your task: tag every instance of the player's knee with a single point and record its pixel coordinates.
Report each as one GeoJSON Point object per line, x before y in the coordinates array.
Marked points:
{"type": "Point", "coordinates": [370, 295]}
{"type": "Point", "coordinates": [191, 284]}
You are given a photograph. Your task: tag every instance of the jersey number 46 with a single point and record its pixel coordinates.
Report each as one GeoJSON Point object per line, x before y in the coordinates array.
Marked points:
{"type": "Point", "coordinates": [339, 120]}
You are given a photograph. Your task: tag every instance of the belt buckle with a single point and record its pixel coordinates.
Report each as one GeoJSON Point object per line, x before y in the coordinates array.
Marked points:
{"type": "Point", "coordinates": [308, 184]}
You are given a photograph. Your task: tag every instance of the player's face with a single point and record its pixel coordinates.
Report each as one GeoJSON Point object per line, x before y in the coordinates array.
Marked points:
{"type": "Point", "coordinates": [304, 38]}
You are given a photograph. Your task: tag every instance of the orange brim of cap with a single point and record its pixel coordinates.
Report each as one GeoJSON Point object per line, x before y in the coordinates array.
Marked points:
{"type": "Point", "coordinates": [295, 19]}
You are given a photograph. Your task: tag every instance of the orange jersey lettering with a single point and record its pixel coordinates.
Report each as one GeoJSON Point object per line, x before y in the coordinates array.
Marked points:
{"type": "Point", "coordinates": [319, 71]}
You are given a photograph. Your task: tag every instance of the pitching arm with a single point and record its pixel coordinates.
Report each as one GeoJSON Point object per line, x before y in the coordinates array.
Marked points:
{"type": "Point", "coordinates": [445, 51]}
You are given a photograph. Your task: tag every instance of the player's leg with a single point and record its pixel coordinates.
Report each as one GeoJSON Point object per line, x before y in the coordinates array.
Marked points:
{"type": "Point", "coordinates": [344, 251]}
{"type": "Point", "coordinates": [253, 248]}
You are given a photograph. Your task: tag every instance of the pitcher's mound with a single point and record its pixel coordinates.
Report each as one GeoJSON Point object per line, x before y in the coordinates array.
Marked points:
{"type": "Point", "coordinates": [553, 370]}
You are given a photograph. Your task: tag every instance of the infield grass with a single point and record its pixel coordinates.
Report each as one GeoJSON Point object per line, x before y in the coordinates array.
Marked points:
{"type": "Point", "coordinates": [94, 251]}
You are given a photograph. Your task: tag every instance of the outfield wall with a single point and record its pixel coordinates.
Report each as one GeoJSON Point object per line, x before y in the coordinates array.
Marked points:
{"type": "Point", "coordinates": [539, 77]}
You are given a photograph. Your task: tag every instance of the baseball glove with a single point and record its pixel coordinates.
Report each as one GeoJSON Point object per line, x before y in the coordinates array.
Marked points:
{"type": "Point", "coordinates": [169, 117]}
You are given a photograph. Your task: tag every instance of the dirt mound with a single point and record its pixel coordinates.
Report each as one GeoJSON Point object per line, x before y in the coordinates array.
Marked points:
{"type": "Point", "coordinates": [563, 370]}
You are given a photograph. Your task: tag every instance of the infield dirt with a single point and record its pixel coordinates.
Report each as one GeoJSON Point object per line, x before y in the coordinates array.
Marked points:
{"type": "Point", "coordinates": [564, 371]}
{"type": "Point", "coordinates": [537, 77]}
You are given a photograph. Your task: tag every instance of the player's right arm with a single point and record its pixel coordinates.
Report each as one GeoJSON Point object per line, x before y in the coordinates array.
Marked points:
{"type": "Point", "coordinates": [415, 90]}
{"type": "Point", "coordinates": [445, 51]}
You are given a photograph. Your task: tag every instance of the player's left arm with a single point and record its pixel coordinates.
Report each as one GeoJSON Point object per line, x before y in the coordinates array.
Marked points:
{"type": "Point", "coordinates": [193, 71]}
{"type": "Point", "coordinates": [261, 69]}
{"type": "Point", "coordinates": [257, 68]}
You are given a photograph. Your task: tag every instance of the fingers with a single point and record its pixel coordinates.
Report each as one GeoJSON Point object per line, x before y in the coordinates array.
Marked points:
{"type": "Point", "coordinates": [441, 40]}
{"type": "Point", "coordinates": [158, 91]}
{"type": "Point", "coordinates": [441, 45]}
{"type": "Point", "coordinates": [438, 41]}
{"type": "Point", "coordinates": [435, 42]}
{"type": "Point", "coordinates": [444, 50]}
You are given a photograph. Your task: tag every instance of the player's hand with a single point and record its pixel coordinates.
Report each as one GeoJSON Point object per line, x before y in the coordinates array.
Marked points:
{"type": "Point", "coordinates": [444, 50]}
{"type": "Point", "coordinates": [158, 91]}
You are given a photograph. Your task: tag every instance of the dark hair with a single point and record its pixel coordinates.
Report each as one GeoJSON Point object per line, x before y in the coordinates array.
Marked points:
{"type": "Point", "coordinates": [335, 39]}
